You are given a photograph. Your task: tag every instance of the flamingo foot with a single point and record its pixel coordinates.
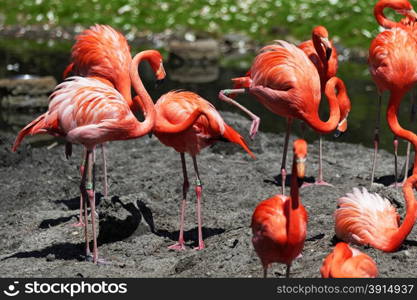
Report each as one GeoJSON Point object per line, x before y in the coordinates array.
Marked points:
{"type": "Point", "coordinates": [254, 128]}
{"type": "Point", "coordinates": [396, 184]}
{"type": "Point", "coordinates": [99, 261]}
{"type": "Point", "coordinates": [200, 246]}
{"type": "Point", "coordinates": [322, 182]}
{"type": "Point", "coordinates": [177, 246]}
{"type": "Point", "coordinates": [78, 224]}
{"type": "Point", "coordinates": [306, 184]}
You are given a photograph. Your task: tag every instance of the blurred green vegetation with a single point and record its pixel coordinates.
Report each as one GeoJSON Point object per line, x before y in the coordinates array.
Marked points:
{"type": "Point", "coordinates": [350, 22]}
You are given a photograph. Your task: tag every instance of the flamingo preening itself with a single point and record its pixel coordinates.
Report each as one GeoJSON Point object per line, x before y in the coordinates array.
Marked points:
{"type": "Point", "coordinates": [368, 219]}
{"type": "Point", "coordinates": [279, 223]}
{"type": "Point", "coordinates": [88, 111]}
{"type": "Point", "coordinates": [347, 262]}
{"type": "Point", "coordinates": [284, 80]}
{"type": "Point", "coordinates": [189, 123]}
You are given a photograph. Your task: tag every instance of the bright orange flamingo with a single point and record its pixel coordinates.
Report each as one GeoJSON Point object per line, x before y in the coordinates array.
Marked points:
{"type": "Point", "coordinates": [389, 41]}
{"type": "Point", "coordinates": [189, 123]}
{"type": "Point", "coordinates": [368, 219]}
{"type": "Point", "coordinates": [102, 51]}
{"type": "Point", "coordinates": [348, 262]}
{"type": "Point", "coordinates": [89, 111]}
{"type": "Point", "coordinates": [323, 54]}
{"type": "Point", "coordinates": [279, 223]}
{"type": "Point", "coordinates": [283, 79]}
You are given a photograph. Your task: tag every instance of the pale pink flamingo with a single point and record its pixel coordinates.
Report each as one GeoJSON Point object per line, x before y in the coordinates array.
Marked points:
{"type": "Point", "coordinates": [88, 111]}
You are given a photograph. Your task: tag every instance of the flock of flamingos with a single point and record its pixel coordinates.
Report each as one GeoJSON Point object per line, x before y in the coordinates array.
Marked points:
{"type": "Point", "coordinates": [94, 105]}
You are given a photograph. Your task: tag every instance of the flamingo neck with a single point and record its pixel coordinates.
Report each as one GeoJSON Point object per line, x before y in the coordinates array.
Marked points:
{"type": "Point", "coordinates": [380, 17]}
{"type": "Point", "coordinates": [319, 49]}
{"type": "Point", "coordinates": [294, 192]}
{"type": "Point", "coordinates": [143, 99]}
{"type": "Point", "coordinates": [314, 120]}
{"type": "Point", "coordinates": [392, 110]}
{"type": "Point", "coordinates": [123, 86]}
{"type": "Point", "coordinates": [343, 99]}
{"type": "Point", "coordinates": [411, 212]}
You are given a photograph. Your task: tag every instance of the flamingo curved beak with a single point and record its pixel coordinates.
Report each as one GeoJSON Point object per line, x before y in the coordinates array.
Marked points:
{"type": "Point", "coordinates": [300, 164]}
{"type": "Point", "coordinates": [341, 128]}
{"type": "Point", "coordinates": [328, 46]}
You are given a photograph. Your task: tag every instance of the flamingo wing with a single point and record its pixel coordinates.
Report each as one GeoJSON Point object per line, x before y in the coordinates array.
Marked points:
{"type": "Point", "coordinates": [283, 72]}
{"type": "Point", "coordinates": [101, 51]}
{"type": "Point", "coordinates": [269, 221]}
{"type": "Point", "coordinates": [393, 59]}
{"type": "Point", "coordinates": [365, 218]}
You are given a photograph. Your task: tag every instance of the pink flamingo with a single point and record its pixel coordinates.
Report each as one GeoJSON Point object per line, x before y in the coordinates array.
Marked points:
{"type": "Point", "coordinates": [189, 123]}
{"type": "Point", "coordinates": [284, 80]}
{"type": "Point", "coordinates": [101, 51]}
{"type": "Point", "coordinates": [323, 54]}
{"type": "Point", "coordinates": [405, 26]}
{"type": "Point", "coordinates": [89, 111]}
{"type": "Point", "coordinates": [279, 223]}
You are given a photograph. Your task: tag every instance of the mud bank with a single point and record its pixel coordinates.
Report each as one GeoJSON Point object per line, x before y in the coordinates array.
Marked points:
{"type": "Point", "coordinates": [39, 199]}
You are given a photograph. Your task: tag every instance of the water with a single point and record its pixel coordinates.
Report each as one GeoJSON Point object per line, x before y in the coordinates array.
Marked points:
{"type": "Point", "coordinates": [25, 57]}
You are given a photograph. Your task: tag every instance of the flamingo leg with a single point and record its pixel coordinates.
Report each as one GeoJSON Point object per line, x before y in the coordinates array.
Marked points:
{"type": "Point", "coordinates": [287, 273]}
{"type": "Point", "coordinates": [407, 163]}
{"type": "Point", "coordinates": [84, 195]}
{"type": "Point", "coordinates": [376, 138]}
{"type": "Point", "coordinates": [223, 95]}
{"type": "Point", "coordinates": [284, 156]}
{"type": "Point", "coordinates": [265, 271]}
{"type": "Point", "coordinates": [105, 183]}
{"type": "Point", "coordinates": [80, 222]}
{"type": "Point", "coordinates": [320, 180]}
{"type": "Point", "coordinates": [87, 188]}
{"type": "Point", "coordinates": [395, 184]}
{"type": "Point", "coordinates": [180, 244]}
{"type": "Point", "coordinates": [198, 191]}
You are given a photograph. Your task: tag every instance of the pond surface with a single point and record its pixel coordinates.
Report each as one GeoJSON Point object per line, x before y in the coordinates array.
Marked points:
{"type": "Point", "coordinates": [21, 57]}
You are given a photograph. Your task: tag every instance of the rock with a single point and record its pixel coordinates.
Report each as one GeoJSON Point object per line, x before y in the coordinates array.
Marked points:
{"type": "Point", "coordinates": [194, 61]}
{"type": "Point", "coordinates": [26, 91]}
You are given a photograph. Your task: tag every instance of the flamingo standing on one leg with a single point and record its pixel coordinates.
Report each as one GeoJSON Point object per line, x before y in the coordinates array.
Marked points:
{"type": "Point", "coordinates": [323, 54]}
{"type": "Point", "coordinates": [347, 262]}
{"type": "Point", "coordinates": [188, 123]}
{"type": "Point", "coordinates": [279, 224]}
{"type": "Point", "coordinates": [284, 80]}
{"type": "Point", "coordinates": [402, 7]}
{"type": "Point", "coordinates": [89, 111]}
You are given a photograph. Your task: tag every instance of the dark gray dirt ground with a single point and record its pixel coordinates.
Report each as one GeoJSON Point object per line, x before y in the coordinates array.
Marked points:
{"type": "Point", "coordinates": [139, 220]}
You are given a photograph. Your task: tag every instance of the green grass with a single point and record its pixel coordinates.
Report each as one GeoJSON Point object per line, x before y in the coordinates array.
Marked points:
{"type": "Point", "coordinates": [350, 22]}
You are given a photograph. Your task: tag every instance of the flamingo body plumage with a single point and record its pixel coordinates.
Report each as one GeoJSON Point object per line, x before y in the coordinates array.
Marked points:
{"type": "Point", "coordinates": [347, 262]}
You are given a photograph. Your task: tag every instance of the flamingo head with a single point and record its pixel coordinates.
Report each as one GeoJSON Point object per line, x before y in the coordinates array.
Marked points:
{"type": "Point", "coordinates": [300, 156]}
{"type": "Point", "coordinates": [156, 62]}
{"type": "Point", "coordinates": [403, 7]}
{"type": "Point", "coordinates": [321, 33]}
